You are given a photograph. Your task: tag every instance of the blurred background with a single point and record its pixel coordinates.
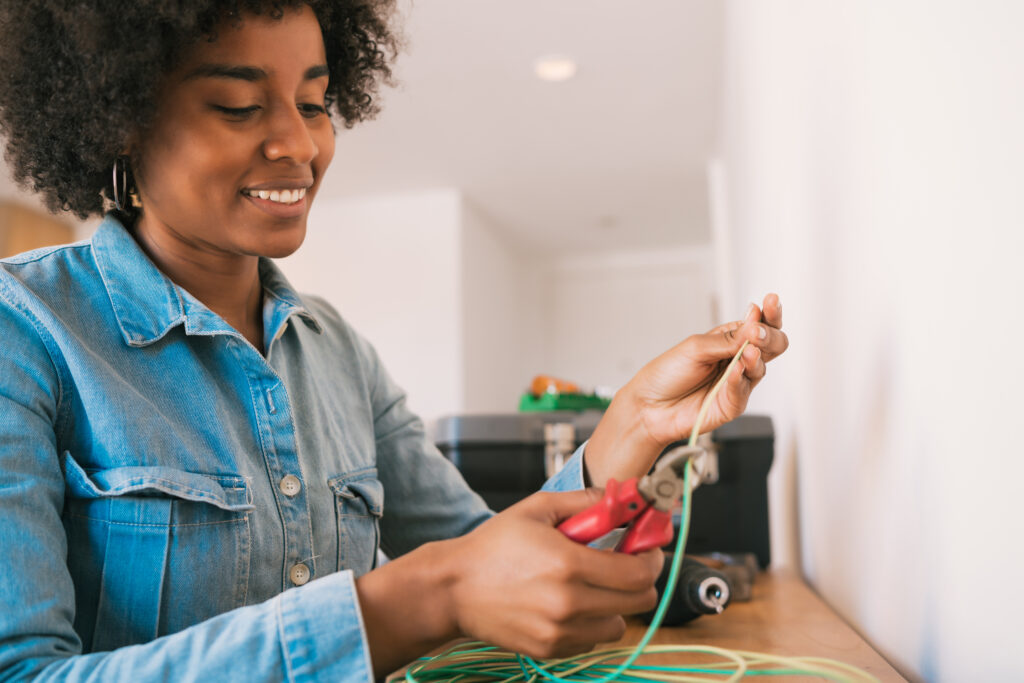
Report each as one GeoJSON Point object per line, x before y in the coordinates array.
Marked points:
{"type": "Point", "coordinates": [865, 160]}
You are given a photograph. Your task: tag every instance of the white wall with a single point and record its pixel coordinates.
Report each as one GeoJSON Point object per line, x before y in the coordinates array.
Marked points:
{"type": "Point", "coordinates": [9, 191]}
{"type": "Point", "coordinates": [503, 315]}
{"type": "Point", "coordinates": [452, 306]}
{"type": "Point", "coordinates": [464, 317]}
{"type": "Point", "coordinates": [873, 157]}
{"type": "Point", "coordinates": [608, 314]}
{"type": "Point", "coordinates": [391, 266]}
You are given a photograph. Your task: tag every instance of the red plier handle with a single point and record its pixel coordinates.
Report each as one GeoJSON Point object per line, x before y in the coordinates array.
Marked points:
{"type": "Point", "coordinates": [621, 504]}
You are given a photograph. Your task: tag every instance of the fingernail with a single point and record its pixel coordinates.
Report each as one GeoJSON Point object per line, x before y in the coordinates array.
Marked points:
{"type": "Point", "coordinates": [750, 309]}
{"type": "Point", "coordinates": [761, 332]}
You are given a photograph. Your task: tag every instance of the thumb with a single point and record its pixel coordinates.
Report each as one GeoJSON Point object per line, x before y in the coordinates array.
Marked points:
{"type": "Point", "coordinates": [553, 508]}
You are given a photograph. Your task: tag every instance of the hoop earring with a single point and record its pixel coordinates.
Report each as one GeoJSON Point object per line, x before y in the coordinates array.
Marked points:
{"type": "Point", "coordinates": [121, 199]}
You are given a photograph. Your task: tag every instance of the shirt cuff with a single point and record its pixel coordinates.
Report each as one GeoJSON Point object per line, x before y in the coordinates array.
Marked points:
{"type": "Point", "coordinates": [322, 633]}
{"type": "Point", "coordinates": [570, 477]}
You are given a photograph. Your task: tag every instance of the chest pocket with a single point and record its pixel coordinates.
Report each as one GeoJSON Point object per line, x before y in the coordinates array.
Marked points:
{"type": "Point", "coordinates": [359, 504]}
{"type": "Point", "coordinates": [153, 550]}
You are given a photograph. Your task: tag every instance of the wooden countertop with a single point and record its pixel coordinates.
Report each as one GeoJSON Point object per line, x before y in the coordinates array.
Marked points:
{"type": "Point", "coordinates": [783, 617]}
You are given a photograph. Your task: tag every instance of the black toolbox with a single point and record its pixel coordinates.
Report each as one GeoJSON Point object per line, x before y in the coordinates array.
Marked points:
{"type": "Point", "coordinates": [502, 459]}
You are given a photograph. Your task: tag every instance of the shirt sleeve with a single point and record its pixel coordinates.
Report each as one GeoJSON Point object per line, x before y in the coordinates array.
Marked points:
{"type": "Point", "coordinates": [426, 497]}
{"type": "Point", "coordinates": [309, 633]}
{"type": "Point", "coordinates": [570, 477]}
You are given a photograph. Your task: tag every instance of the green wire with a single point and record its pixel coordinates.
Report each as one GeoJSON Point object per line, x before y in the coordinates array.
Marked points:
{"type": "Point", "coordinates": [666, 597]}
{"type": "Point", "coordinates": [465, 662]}
{"type": "Point", "coordinates": [677, 558]}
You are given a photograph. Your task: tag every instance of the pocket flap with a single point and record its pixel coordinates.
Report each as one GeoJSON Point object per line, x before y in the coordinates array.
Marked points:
{"type": "Point", "coordinates": [228, 492]}
{"type": "Point", "coordinates": [362, 485]}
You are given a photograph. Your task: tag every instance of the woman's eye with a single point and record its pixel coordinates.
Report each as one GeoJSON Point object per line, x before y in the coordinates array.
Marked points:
{"type": "Point", "coordinates": [312, 110]}
{"type": "Point", "coordinates": [237, 112]}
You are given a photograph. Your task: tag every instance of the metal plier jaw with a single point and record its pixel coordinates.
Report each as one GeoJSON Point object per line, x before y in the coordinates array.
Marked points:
{"type": "Point", "coordinates": [645, 505]}
{"type": "Point", "coordinates": [664, 486]}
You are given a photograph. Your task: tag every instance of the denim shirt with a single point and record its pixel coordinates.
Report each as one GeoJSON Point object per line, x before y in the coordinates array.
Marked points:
{"type": "Point", "coordinates": [175, 504]}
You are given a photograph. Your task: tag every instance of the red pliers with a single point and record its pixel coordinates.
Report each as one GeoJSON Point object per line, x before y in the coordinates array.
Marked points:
{"type": "Point", "coordinates": [648, 500]}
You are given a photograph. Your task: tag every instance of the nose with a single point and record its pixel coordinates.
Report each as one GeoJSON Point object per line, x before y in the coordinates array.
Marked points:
{"type": "Point", "coordinates": [289, 137]}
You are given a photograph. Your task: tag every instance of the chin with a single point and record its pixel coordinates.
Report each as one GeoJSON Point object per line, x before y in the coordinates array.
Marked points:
{"type": "Point", "coordinates": [281, 243]}
{"type": "Point", "coordinates": [280, 249]}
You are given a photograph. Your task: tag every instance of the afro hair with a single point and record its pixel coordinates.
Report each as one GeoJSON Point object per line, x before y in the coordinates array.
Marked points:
{"type": "Point", "coordinates": [79, 80]}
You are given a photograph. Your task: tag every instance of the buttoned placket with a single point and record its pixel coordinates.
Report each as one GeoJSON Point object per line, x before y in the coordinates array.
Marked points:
{"type": "Point", "coordinates": [278, 441]}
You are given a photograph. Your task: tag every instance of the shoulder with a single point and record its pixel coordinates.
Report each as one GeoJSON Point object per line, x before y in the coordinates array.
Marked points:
{"type": "Point", "coordinates": [40, 291]}
{"type": "Point", "coordinates": [51, 275]}
{"type": "Point", "coordinates": [58, 293]}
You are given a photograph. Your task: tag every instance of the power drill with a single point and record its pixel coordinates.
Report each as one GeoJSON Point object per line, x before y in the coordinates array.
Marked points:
{"type": "Point", "coordinates": [700, 590]}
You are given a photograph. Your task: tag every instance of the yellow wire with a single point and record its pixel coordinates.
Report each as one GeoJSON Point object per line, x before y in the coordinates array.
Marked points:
{"type": "Point", "coordinates": [702, 413]}
{"type": "Point", "coordinates": [740, 659]}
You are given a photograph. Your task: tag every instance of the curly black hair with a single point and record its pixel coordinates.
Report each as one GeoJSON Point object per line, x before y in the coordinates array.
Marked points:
{"type": "Point", "coordinates": [79, 79]}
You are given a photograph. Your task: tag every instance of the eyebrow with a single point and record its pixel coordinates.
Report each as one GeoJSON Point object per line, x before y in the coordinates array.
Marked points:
{"type": "Point", "coordinates": [248, 73]}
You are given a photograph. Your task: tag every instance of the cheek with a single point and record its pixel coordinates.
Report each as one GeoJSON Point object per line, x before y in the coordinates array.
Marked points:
{"type": "Point", "coordinates": [181, 165]}
{"type": "Point", "coordinates": [325, 150]}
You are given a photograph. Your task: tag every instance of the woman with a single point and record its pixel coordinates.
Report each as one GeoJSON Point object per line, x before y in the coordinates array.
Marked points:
{"type": "Point", "coordinates": [199, 463]}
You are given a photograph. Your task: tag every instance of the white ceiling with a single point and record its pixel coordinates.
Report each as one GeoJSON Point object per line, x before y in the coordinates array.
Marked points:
{"type": "Point", "coordinates": [614, 158]}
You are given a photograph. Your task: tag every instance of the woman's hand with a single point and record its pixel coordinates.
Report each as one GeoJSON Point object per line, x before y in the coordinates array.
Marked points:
{"type": "Point", "coordinates": [515, 581]}
{"type": "Point", "coordinates": [660, 404]}
{"type": "Point", "coordinates": [526, 587]}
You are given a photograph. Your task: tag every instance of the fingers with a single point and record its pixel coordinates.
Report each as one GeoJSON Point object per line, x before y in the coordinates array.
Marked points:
{"type": "Point", "coordinates": [771, 340]}
{"type": "Point", "coordinates": [562, 605]}
{"type": "Point", "coordinates": [549, 641]}
{"type": "Point", "coordinates": [767, 327]}
{"type": "Point", "coordinates": [753, 314]}
{"type": "Point", "coordinates": [772, 311]}
{"type": "Point", "coordinates": [724, 340]}
{"type": "Point", "coordinates": [518, 582]}
{"type": "Point", "coordinates": [753, 364]}
{"type": "Point", "coordinates": [557, 507]}
{"type": "Point", "coordinates": [618, 571]}
{"type": "Point", "coordinates": [577, 619]}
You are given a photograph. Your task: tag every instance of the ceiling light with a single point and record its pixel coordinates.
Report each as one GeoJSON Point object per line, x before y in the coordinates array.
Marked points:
{"type": "Point", "coordinates": [554, 68]}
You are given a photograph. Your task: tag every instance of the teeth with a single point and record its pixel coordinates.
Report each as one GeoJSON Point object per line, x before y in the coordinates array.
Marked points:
{"type": "Point", "coordinates": [279, 196]}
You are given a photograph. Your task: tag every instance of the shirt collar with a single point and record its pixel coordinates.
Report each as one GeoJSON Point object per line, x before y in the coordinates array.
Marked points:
{"type": "Point", "coordinates": [147, 304]}
{"type": "Point", "coordinates": [280, 302]}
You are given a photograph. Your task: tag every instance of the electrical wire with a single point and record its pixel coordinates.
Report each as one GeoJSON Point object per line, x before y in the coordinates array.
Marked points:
{"type": "Point", "coordinates": [477, 662]}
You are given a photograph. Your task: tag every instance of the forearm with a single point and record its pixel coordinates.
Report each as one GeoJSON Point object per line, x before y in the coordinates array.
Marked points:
{"type": "Point", "coordinates": [621, 446]}
{"type": "Point", "coordinates": [406, 606]}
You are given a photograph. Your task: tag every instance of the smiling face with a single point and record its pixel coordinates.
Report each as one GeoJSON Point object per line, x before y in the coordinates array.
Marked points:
{"type": "Point", "coordinates": [240, 142]}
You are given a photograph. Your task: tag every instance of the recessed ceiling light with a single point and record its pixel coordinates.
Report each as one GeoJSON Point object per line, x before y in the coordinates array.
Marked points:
{"type": "Point", "coordinates": [554, 68]}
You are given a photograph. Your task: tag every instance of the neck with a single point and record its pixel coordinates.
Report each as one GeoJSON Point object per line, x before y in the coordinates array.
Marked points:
{"type": "Point", "coordinates": [228, 284]}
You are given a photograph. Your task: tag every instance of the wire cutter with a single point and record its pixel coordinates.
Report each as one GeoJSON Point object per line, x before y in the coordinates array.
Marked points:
{"type": "Point", "coordinates": [647, 502]}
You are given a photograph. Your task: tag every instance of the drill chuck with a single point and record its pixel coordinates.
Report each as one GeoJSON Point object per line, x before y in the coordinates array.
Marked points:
{"type": "Point", "coordinates": [700, 590]}
{"type": "Point", "coordinates": [710, 595]}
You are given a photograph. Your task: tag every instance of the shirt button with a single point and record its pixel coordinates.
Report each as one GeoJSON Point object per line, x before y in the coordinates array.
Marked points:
{"type": "Point", "coordinates": [290, 485]}
{"type": "Point", "coordinates": [299, 574]}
